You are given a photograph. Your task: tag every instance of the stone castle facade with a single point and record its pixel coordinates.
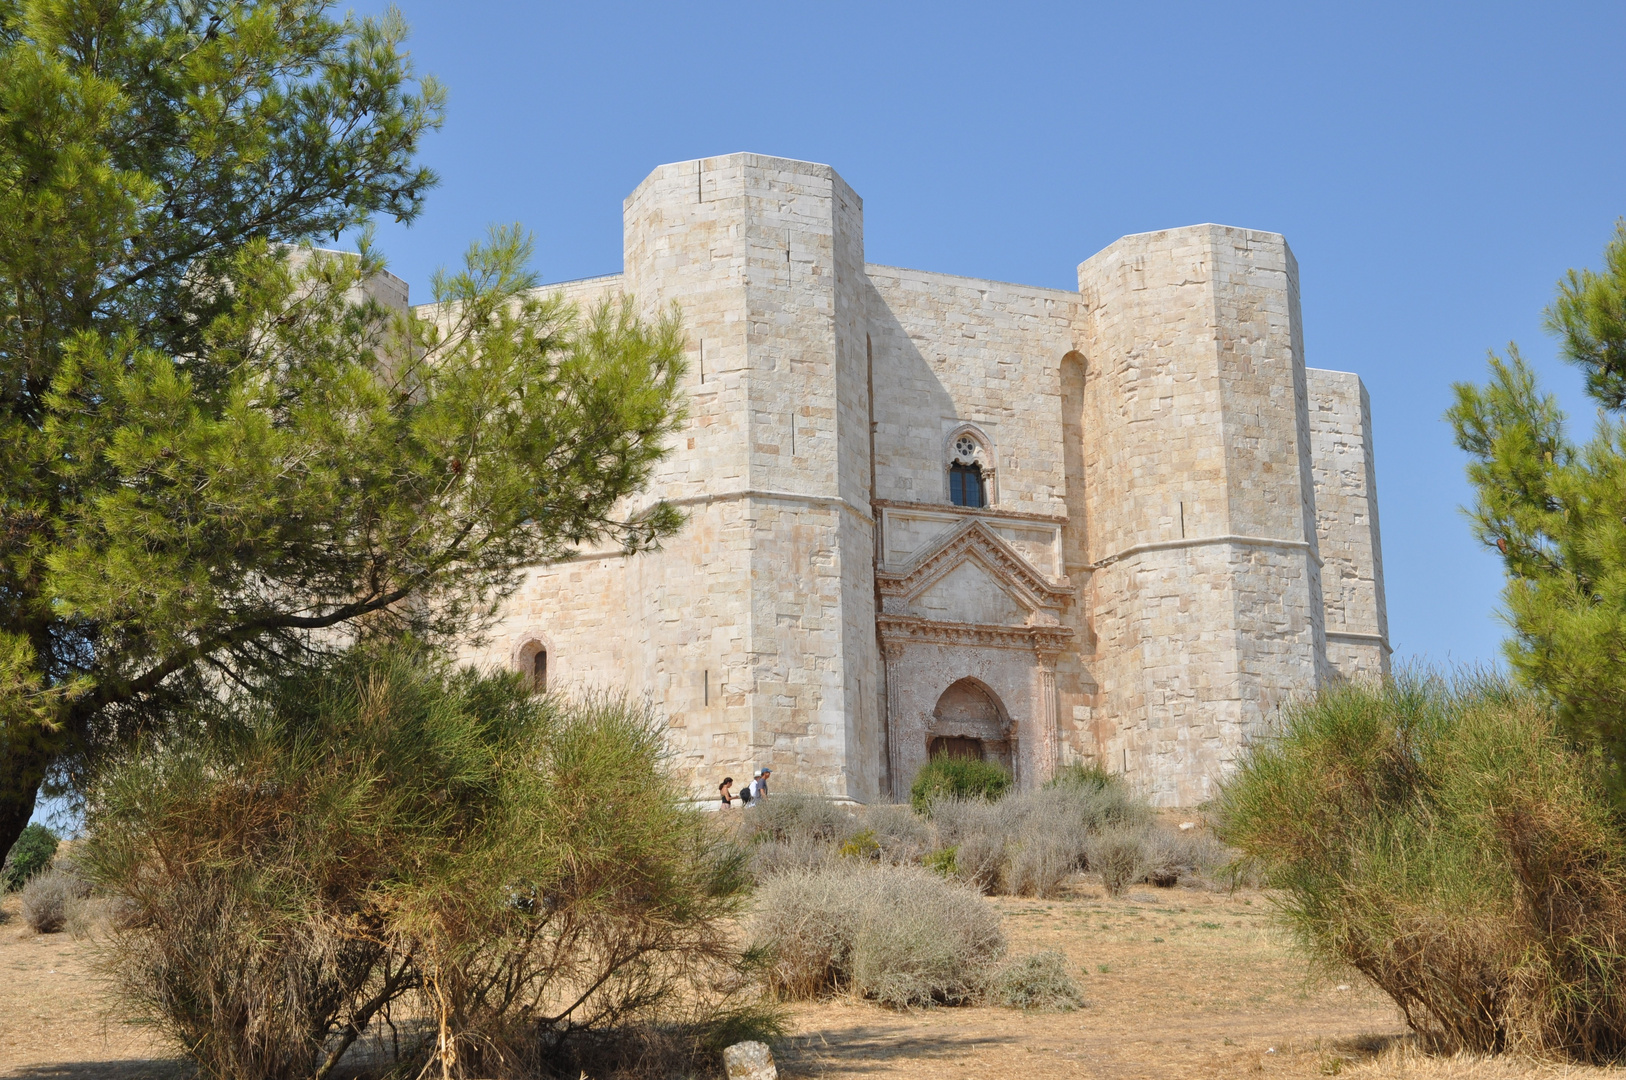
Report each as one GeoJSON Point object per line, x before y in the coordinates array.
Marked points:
{"type": "Point", "coordinates": [932, 513]}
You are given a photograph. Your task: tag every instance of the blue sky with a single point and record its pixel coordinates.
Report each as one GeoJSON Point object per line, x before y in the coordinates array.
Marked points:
{"type": "Point", "coordinates": [1434, 167]}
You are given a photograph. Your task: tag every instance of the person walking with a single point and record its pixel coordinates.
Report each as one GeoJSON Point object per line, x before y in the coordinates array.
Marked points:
{"type": "Point", "coordinates": [758, 789]}
{"type": "Point", "coordinates": [725, 790]}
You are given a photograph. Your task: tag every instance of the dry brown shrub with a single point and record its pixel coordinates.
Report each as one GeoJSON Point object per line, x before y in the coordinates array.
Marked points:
{"type": "Point", "coordinates": [50, 898]}
{"type": "Point", "coordinates": [523, 872]}
{"type": "Point", "coordinates": [1037, 982]}
{"type": "Point", "coordinates": [901, 936]}
{"type": "Point", "coordinates": [1448, 842]}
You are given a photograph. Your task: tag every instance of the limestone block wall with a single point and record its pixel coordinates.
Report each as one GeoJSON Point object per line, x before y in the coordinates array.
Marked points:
{"type": "Point", "coordinates": [578, 612]}
{"type": "Point", "coordinates": [949, 350]}
{"type": "Point", "coordinates": [1206, 595]}
{"type": "Point", "coordinates": [691, 646]}
{"type": "Point", "coordinates": [862, 721]}
{"type": "Point", "coordinates": [765, 258]}
{"type": "Point", "coordinates": [1167, 479]}
{"type": "Point", "coordinates": [1346, 501]}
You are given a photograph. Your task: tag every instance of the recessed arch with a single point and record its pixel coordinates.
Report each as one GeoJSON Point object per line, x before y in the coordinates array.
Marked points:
{"type": "Point", "coordinates": [969, 720]}
{"type": "Point", "coordinates": [533, 658]}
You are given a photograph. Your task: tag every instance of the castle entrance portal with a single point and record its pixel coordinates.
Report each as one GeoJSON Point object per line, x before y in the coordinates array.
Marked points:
{"type": "Point", "coordinates": [969, 723]}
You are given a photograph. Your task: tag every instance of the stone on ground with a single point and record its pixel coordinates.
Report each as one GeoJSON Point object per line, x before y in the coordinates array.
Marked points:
{"type": "Point", "coordinates": [750, 1061]}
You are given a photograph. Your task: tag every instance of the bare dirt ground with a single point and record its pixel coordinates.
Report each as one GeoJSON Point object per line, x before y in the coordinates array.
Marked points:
{"type": "Point", "coordinates": [1180, 982]}
{"type": "Point", "coordinates": [53, 1015]}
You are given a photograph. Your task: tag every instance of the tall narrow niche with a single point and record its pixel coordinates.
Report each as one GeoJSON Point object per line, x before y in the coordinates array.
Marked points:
{"type": "Point", "coordinates": [1075, 551]}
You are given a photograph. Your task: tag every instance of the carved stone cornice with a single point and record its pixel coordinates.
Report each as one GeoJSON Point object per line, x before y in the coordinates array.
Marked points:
{"type": "Point", "coordinates": [898, 631]}
{"type": "Point", "coordinates": [992, 513]}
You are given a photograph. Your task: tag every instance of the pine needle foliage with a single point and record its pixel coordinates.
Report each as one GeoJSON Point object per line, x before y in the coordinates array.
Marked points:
{"type": "Point", "coordinates": [1445, 839]}
{"type": "Point", "coordinates": [1554, 511]}
{"type": "Point", "coordinates": [388, 838]}
{"type": "Point", "coordinates": [223, 456]}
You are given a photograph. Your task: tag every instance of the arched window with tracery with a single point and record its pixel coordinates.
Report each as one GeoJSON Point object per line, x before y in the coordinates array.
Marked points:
{"type": "Point", "coordinates": [968, 474]}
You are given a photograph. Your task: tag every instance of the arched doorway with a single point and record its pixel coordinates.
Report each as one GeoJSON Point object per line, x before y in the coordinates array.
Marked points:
{"type": "Point", "coordinates": [969, 722]}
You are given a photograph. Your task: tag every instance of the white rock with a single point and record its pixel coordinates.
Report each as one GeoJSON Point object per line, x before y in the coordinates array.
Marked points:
{"type": "Point", "coordinates": [750, 1061]}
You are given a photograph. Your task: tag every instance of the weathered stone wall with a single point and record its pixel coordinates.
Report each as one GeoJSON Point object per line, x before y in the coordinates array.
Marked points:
{"type": "Point", "coordinates": [764, 257]}
{"type": "Point", "coordinates": [1206, 595]}
{"type": "Point", "coordinates": [1144, 589]}
{"type": "Point", "coordinates": [1347, 524]}
{"type": "Point", "coordinates": [952, 350]}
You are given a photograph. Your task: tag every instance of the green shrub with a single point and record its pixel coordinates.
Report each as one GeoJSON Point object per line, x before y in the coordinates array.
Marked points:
{"type": "Point", "coordinates": [944, 861]}
{"type": "Point", "coordinates": [1038, 982]}
{"type": "Point", "coordinates": [897, 935]}
{"type": "Point", "coordinates": [1089, 777]}
{"type": "Point", "coordinates": [516, 870]}
{"type": "Point", "coordinates": [945, 777]}
{"type": "Point", "coordinates": [861, 845]}
{"type": "Point", "coordinates": [28, 856]}
{"type": "Point", "coordinates": [1444, 840]}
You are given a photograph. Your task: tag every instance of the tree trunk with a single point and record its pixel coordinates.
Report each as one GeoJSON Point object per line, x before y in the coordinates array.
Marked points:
{"type": "Point", "coordinates": [21, 773]}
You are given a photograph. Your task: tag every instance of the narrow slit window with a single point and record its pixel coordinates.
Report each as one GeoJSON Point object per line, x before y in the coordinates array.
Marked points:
{"type": "Point", "coordinates": [966, 486]}
{"type": "Point", "coordinates": [539, 672]}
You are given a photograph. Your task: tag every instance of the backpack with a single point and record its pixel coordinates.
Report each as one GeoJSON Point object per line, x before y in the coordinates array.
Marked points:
{"type": "Point", "coordinates": [745, 795]}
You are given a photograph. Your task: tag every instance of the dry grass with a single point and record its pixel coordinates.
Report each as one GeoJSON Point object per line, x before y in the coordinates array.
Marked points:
{"type": "Point", "coordinates": [1213, 998]}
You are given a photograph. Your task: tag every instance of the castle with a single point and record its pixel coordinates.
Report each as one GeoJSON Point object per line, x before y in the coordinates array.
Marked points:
{"type": "Point", "coordinates": [930, 513]}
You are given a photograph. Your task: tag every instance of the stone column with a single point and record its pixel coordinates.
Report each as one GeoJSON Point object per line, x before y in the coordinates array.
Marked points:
{"type": "Point", "coordinates": [893, 652]}
{"type": "Point", "coordinates": [1045, 714]}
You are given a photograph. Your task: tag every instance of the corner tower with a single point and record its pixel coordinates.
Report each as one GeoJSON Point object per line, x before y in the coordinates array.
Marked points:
{"type": "Point", "coordinates": [1205, 584]}
{"type": "Point", "coordinates": [765, 257]}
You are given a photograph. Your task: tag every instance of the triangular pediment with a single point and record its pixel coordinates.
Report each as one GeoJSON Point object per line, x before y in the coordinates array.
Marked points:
{"type": "Point", "coordinates": [971, 592]}
{"type": "Point", "coordinates": [972, 575]}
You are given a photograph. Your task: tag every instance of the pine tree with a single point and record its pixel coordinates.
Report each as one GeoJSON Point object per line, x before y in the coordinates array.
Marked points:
{"type": "Point", "coordinates": [1555, 511]}
{"type": "Point", "coordinates": [219, 456]}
